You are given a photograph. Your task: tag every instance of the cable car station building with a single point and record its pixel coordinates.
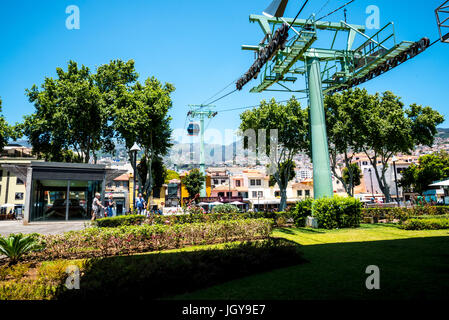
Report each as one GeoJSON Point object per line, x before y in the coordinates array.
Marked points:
{"type": "Point", "coordinates": [61, 191]}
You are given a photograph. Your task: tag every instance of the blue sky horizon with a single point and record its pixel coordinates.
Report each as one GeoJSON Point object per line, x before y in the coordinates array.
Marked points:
{"type": "Point", "coordinates": [195, 45]}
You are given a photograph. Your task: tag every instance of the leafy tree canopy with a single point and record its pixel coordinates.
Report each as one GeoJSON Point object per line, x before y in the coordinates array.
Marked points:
{"type": "Point", "coordinates": [431, 168]}
{"type": "Point", "coordinates": [193, 182]}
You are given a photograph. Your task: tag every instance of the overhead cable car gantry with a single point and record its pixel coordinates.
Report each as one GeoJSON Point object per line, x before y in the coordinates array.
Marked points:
{"type": "Point", "coordinates": [342, 58]}
{"type": "Point", "coordinates": [442, 14]}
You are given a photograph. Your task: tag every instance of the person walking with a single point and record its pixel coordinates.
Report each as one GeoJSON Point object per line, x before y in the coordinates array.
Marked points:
{"type": "Point", "coordinates": [110, 206]}
{"type": "Point", "coordinates": [140, 204]}
{"type": "Point", "coordinates": [96, 205]}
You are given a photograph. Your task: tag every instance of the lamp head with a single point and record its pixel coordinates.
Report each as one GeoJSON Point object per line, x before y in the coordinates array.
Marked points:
{"type": "Point", "coordinates": [135, 148]}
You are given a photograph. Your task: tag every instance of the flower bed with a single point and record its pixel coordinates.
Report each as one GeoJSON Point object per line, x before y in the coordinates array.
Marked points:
{"type": "Point", "coordinates": [102, 242]}
{"type": "Point", "coordinates": [147, 276]}
{"type": "Point", "coordinates": [130, 220]}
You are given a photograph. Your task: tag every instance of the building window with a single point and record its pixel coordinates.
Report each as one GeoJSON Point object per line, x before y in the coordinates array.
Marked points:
{"type": "Point", "coordinates": [307, 193]}
{"type": "Point", "coordinates": [19, 195]}
{"type": "Point", "coordinates": [223, 181]}
{"type": "Point", "coordinates": [365, 163]}
{"type": "Point", "coordinates": [215, 181]}
{"type": "Point", "coordinates": [19, 181]}
{"type": "Point", "coordinates": [260, 194]}
{"type": "Point", "coordinates": [254, 194]}
{"type": "Point", "coordinates": [277, 193]}
{"type": "Point", "coordinates": [125, 184]}
{"type": "Point", "coordinates": [228, 194]}
{"type": "Point", "coordinates": [258, 182]}
{"type": "Point", "coordinates": [299, 193]}
{"type": "Point", "coordinates": [237, 183]}
{"type": "Point", "coordinates": [252, 182]}
{"type": "Point", "coordinates": [221, 194]}
{"type": "Point", "coordinates": [109, 185]}
{"type": "Point", "coordinates": [117, 184]}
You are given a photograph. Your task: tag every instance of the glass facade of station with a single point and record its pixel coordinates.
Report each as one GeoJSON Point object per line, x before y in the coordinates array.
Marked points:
{"type": "Point", "coordinates": [63, 200]}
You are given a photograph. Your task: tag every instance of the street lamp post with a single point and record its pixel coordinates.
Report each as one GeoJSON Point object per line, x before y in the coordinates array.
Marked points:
{"type": "Point", "coordinates": [394, 159]}
{"type": "Point", "coordinates": [229, 182]}
{"type": "Point", "coordinates": [134, 149]}
{"type": "Point", "coordinates": [371, 180]}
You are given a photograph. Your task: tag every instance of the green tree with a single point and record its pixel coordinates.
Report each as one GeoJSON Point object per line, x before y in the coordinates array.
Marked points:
{"type": "Point", "coordinates": [352, 176]}
{"type": "Point", "coordinates": [193, 182]}
{"type": "Point", "coordinates": [343, 112]}
{"type": "Point", "coordinates": [141, 116]}
{"type": "Point", "coordinates": [290, 121]}
{"type": "Point", "coordinates": [171, 175]}
{"type": "Point", "coordinates": [70, 114]}
{"type": "Point", "coordinates": [6, 132]}
{"type": "Point", "coordinates": [379, 126]}
{"type": "Point", "coordinates": [431, 167]}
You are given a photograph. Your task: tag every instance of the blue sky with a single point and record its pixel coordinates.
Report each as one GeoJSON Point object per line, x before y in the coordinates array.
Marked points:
{"type": "Point", "coordinates": [195, 45]}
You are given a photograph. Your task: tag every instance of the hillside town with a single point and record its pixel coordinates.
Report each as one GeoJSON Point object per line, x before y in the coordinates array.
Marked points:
{"type": "Point", "coordinates": [247, 187]}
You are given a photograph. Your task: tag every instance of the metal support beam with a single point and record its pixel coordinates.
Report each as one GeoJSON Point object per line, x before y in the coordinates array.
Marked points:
{"type": "Point", "coordinates": [322, 178]}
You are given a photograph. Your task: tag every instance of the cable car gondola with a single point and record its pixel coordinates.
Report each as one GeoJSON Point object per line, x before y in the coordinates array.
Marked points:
{"type": "Point", "coordinates": [193, 129]}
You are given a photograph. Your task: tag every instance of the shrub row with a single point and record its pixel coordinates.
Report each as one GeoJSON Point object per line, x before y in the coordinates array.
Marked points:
{"type": "Point", "coordinates": [167, 274]}
{"type": "Point", "coordinates": [426, 224]}
{"type": "Point", "coordinates": [102, 242]}
{"type": "Point", "coordinates": [149, 276]}
{"type": "Point", "coordinates": [337, 212]}
{"type": "Point", "coordinates": [402, 214]}
{"type": "Point", "coordinates": [129, 220]}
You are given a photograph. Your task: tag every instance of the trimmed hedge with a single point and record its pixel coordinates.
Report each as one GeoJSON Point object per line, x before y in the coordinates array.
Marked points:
{"type": "Point", "coordinates": [426, 224]}
{"type": "Point", "coordinates": [302, 210]}
{"type": "Point", "coordinates": [337, 212]}
{"type": "Point", "coordinates": [148, 276]}
{"type": "Point", "coordinates": [225, 208]}
{"type": "Point", "coordinates": [402, 214]}
{"type": "Point", "coordinates": [102, 242]}
{"type": "Point", "coordinates": [276, 217]}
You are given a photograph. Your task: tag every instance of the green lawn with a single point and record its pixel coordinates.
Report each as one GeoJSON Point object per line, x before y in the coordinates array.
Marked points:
{"type": "Point", "coordinates": [413, 265]}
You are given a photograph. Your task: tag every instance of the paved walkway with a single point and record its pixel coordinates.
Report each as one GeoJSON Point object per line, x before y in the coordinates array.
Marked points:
{"type": "Point", "coordinates": [8, 227]}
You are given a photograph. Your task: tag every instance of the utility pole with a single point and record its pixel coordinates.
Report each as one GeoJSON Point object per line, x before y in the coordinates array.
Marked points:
{"type": "Point", "coordinates": [201, 112]}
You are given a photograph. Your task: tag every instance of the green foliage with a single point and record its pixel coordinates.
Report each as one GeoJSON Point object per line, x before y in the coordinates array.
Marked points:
{"type": "Point", "coordinates": [402, 214]}
{"type": "Point", "coordinates": [171, 175]}
{"type": "Point", "coordinates": [426, 224]}
{"type": "Point", "coordinates": [6, 131]}
{"type": "Point", "coordinates": [432, 167]}
{"type": "Point", "coordinates": [193, 182]}
{"type": "Point", "coordinates": [127, 220]}
{"type": "Point", "coordinates": [17, 245]}
{"type": "Point", "coordinates": [337, 212]}
{"type": "Point", "coordinates": [225, 208]}
{"type": "Point", "coordinates": [102, 242]}
{"type": "Point", "coordinates": [379, 126]}
{"type": "Point", "coordinates": [352, 175]}
{"type": "Point", "coordinates": [284, 167]}
{"type": "Point", "coordinates": [178, 272]}
{"type": "Point", "coordinates": [290, 121]}
{"type": "Point", "coordinates": [302, 210]}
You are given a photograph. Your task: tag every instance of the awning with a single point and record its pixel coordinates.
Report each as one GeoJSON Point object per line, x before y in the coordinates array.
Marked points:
{"type": "Point", "coordinates": [261, 202]}
{"type": "Point", "coordinates": [443, 183]}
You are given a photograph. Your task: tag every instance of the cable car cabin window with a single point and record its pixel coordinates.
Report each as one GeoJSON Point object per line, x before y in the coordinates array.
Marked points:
{"type": "Point", "coordinates": [193, 129]}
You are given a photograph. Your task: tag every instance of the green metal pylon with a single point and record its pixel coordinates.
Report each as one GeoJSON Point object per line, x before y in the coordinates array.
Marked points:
{"type": "Point", "coordinates": [201, 112]}
{"type": "Point", "coordinates": [322, 177]}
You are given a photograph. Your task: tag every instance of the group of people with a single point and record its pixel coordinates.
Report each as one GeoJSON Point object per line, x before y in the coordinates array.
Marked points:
{"type": "Point", "coordinates": [97, 206]}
